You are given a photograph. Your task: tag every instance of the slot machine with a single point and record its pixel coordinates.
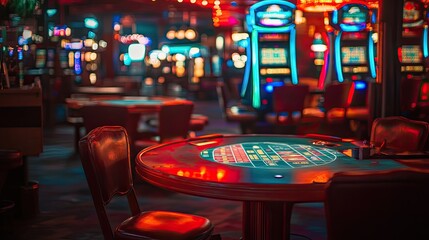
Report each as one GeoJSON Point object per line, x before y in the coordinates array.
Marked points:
{"type": "Point", "coordinates": [414, 48]}
{"type": "Point", "coordinates": [354, 48]}
{"type": "Point", "coordinates": [271, 52]}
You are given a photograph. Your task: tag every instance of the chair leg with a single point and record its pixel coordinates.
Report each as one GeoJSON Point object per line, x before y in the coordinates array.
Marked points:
{"type": "Point", "coordinates": [76, 136]}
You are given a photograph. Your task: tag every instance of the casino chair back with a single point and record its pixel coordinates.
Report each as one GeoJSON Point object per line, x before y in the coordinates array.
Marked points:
{"type": "Point", "coordinates": [287, 100]}
{"type": "Point", "coordinates": [409, 95]}
{"type": "Point", "coordinates": [400, 134]}
{"type": "Point", "coordinates": [105, 115]}
{"type": "Point", "coordinates": [174, 121]}
{"type": "Point", "coordinates": [378, 205]}
{"type": "Point", "coordinates": [105, 157]}
{"type": "Point", "coordinates": [337, 96]}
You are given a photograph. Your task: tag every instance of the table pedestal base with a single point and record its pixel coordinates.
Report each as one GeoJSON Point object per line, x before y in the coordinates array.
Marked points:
{"type": "Point", "coordinates": [266, 220]}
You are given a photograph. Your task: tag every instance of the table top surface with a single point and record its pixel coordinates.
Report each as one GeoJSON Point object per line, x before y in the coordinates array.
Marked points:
{"type": "Point", "coordinates": [252, 167]}
{"type": "Point", "coordinates": [125, 101]}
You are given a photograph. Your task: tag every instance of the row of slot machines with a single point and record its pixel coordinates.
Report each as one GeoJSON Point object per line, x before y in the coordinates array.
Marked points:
{"type": "Point", "coordinates": [351, 54]}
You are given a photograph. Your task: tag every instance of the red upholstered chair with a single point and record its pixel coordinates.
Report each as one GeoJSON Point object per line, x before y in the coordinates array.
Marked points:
{"type": "Point", "coordinates": [337, 98]}
{"type": "Point", "coordinates": [399, 134]}
{"type": "Point", "coordinates": [380, 205]}
{"type": "Point", "coordinates": [105, 157]}
{"type": "Point", "coordinates": [288, 104]}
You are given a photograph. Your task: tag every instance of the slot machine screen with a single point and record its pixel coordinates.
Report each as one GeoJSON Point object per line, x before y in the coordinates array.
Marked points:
{"type": "Point", "coordinates": [273, 56]}
{"type": "Point", "coordinates": [411, 54]}
{"type": "Point", "coordinates": [40, 58]}
{"type": "Point", "coordinates": [353, 55]}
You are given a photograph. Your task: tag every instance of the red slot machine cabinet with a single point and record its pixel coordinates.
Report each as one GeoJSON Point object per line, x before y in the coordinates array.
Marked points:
{"type": "Point", "coordinates": [354, 56]}
{"type": "Point", "coordinates": [414, 50]}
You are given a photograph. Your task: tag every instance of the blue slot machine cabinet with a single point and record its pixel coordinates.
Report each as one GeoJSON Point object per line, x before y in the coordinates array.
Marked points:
{"type": "Point", "coordinates": [354, 48]}
{"type": "Point", "coordinates": [271, 50]}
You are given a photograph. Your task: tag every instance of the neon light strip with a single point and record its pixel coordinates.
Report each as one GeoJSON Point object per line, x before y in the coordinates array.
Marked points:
{"type": "Point", "coordinates": [293, 56]}
{"type": "Point", "coordinates": [268, 2]}
{"type": "Point", "coordinates": [335, 17]}
{"type": "Point", "coordinates": [246, 70]}
{"type": "Point", "coordinates": [351, 93]}
{"type": "Point", "coordinates": [371, 55]}
{"type": "Point", "coordinates": [322, 77]}
{"type": "Point", "coordinates": [326, 58]}
{"type": "Point", "coordinates": [351, 28]}
{"type": "Point", "coordinates": [425, 42]}
{"type": "Point", "coordinates": [338, 57]}
{"type": "Point", "coordinates": [256, 101]}
{"type": "Point", "coordinates": [275, 30]}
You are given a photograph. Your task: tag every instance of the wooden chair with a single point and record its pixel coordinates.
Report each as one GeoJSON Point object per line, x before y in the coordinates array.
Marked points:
{"type": "Point", "coordinates": [288, 104]}
{"type": "Point", "coordinates": [399, 134]}
{"type": "Point", "coordinates": [381, 205]}
{"type": "Point", "coordinates": [105, 157]}
{"type": "Point", "coordinates": [173, 124]}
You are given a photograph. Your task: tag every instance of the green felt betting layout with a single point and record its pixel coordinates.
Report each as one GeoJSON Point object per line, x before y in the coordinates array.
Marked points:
{"type": "Point", "coordinates": [270, 154]}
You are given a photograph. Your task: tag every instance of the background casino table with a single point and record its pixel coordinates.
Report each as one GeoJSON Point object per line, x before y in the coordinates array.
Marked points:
{"type": "Point", "coordinates": [268, 173]}
{"type": "Point", "coordinates": [134, 103]}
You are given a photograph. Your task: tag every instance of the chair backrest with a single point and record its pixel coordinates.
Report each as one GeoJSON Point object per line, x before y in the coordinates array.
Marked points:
{"type": "Point", "coordinates": [289, 98]}
{"type": "Point", "coordinates": [106, 115]}
{"type": "Point", "coordinates": [378, 205]}
{"type": "Point", "coordinates": [223, 96]}
{"type": "Point", "coordinates": [105, 156]}
{"type": "Point", "coordinates": [174, 120]}
{"type": "Point", "coordinates": [337, 95]}
{"type": "Point", "coordinates": [409, 94]}
{"type": "Point", "coordinates": [399, 133]}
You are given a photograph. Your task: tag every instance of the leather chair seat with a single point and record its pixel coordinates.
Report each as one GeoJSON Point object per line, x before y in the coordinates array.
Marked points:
{"type": "Point", "coordinates": [318, 114]}
{"type": "Point", "coordinates": [200, 117]}
{"type": "Point", "coordinates": [164, 225]}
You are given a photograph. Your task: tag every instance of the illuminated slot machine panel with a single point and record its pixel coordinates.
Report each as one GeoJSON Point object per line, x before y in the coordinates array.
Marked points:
{"type": "Point", "coordinates": [274, 63]}
{"type": "Point", "coordinates": [274, 54]}
{"type": "Point", "coordinates": [354, 60]}
{"type": "Point", "coordinates": [411, 58]}
{"type": "Point", "coordinates": [354, 55]}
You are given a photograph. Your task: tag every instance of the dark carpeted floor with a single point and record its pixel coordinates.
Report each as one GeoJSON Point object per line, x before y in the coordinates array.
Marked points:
{"type": "Point", "coordinates": [67, 211]}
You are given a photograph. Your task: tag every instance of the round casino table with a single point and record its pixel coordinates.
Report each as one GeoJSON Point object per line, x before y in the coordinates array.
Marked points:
{"type": "Point", "coordinates": [268, 173]}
